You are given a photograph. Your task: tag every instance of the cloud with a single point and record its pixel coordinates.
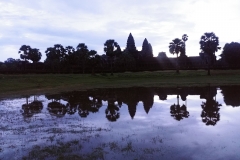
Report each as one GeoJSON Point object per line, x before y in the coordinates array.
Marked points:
{"type": "Point", "coordinates": [42, 23]}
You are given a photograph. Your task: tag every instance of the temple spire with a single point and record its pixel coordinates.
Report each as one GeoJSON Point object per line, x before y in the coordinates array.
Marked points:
{"type": "Point", "coordinates": [147, 49]}
{"type": "Point", "coordinates": [131, 43]}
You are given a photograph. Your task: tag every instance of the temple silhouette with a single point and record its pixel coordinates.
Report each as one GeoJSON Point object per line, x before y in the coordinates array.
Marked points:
{"type": "Point", "coordinates": [71, 60]}
{"type": "Point", "coordinates": [145, 57]}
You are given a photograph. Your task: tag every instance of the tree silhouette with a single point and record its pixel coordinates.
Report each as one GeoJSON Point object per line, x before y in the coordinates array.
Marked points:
{"type": "Point", "coordinates": [55, 56]}
{"type": "Point", "coordinates": [174, 48]}
{"type": "Point", "coordinates": [25, 51]}
{"type": "Point", "coordinates": [28, 53]}
{"type": "Point", "coordinates": [209, 45]}
{"type": "Point", "coordinates": [12, 64]}
{"type": "Point", "coordinates": [70, 59]}
{"type": "Point", "coordinates": [126, 61]}
{"type": "Point", "coordinates": [94, 60]}
{"type": "Point", "coordinates": [231, 53]}
{"type": "Point", "coordinates": [35, 55]}
{"type": "Point", "coordinates": [82, 55]}
{"type": "Point", "coordinates": [110, 48]}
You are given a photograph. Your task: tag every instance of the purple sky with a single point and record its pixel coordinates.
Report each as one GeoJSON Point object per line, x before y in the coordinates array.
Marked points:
{"type": "Point", "coordinates": [43, 23]}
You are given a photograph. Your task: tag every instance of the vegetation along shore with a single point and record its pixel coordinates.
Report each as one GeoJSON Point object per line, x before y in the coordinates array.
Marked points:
{"type": "Point", "coordinates": [50, 83]}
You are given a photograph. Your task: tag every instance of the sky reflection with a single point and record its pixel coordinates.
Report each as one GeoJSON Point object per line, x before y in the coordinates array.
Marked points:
{"type": "Point", "coordinates": [146, 130]}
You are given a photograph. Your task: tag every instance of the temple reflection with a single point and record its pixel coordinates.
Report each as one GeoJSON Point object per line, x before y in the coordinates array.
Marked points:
{"type": "Point", "coordinates": [84, 103]}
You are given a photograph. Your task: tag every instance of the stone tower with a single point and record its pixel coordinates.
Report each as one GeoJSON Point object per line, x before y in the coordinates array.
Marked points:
{"type": "Point", "coordinates": [131, 44]}
{"type": "Point", "coordinates": [147, 49]}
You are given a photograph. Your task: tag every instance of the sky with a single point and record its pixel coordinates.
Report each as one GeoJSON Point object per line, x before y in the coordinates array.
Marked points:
{"type": "Point", "coordinates": [43, 23]}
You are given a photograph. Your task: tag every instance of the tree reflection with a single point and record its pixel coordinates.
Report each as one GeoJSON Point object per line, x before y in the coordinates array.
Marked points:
{"type": "Point", "coordinates": [96, 105]}
{"type": "Point", "coordinates": [84, 106]}
{"type": "Point", "coordinates": [84, 103]}
{"type": "Point", "coordinates": [231, 95]}
{"type": "Point", "coordinates": [179, 112]}
{"type": "Point", "coordinates": [57, 109]}
{"type": "Point", "coordinates": [29, 109]}
{"type": "Point", "coordinates": [71, 108]}
{"type": "Point", "coordinates": [112, 111]}
{"type": "Point", "coordinates": [210, 113]}
{"type": "Point", "coordinates": [87, 105]}
{"type": "Point", "coordinates": [72, 102]}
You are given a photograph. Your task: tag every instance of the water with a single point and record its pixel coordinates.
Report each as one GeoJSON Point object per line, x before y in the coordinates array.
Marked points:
{"type": "Point", "coordinates": [128, 123]}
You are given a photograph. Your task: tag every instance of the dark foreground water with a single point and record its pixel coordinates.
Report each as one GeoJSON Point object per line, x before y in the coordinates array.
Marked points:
{"type": "Point", "coordinates": [128, 123]}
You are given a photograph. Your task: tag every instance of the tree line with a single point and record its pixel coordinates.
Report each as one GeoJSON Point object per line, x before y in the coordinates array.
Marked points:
{"type": "Point", "coordinates": [60, 59]}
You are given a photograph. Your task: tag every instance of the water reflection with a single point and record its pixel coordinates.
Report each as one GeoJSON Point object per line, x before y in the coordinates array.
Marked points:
{"type": "Point", "coordinates": [150, 122]}
{"type": "Point", "coordinates": [179, 112]}
{"type": "Point", "coordinates": [55, 107]}
{"type": "Point", "coordinates": [210, 114]}
{"type": "Point", "coordinates": [231, 95]}
{"type": "Point", "coordinates": [31, 108]}
{"type": "Point", "coordinates": [112, 111]}
{"type": "Point", "coordinates": [89, 102]}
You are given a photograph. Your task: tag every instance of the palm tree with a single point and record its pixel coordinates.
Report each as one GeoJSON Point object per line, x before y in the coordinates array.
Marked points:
{"type": "Point", "coordinates": [184, 39]}
{"type": "Point", "coordinates": [209, 45]}
{"type": "Point", "coordinates": [110, 48]}
{"type": "Point", "coordinates": [174, 48]}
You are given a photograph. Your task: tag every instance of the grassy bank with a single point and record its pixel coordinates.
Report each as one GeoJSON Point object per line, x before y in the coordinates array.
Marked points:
{"type": "Point", "coordinates": [49, 83]}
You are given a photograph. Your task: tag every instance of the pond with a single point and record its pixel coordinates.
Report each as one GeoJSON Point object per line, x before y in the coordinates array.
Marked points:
{"type": "Point", "coordinates": [131, 123]}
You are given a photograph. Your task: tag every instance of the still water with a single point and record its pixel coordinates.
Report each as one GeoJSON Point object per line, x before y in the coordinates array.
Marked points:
{"type": "Point", "coordinates": [127, 123]}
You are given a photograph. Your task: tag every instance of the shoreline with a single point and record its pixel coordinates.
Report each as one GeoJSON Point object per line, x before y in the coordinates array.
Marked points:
{"type": "Point", "coordinates": [17, 85]}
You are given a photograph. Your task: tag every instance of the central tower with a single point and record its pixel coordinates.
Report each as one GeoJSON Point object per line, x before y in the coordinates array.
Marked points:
{"type": "Point", "coordinates": [131, 44]}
